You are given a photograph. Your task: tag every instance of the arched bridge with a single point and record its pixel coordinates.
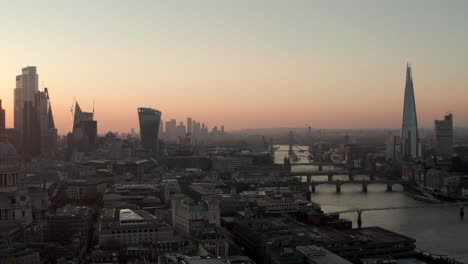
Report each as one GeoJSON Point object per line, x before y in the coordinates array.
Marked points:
{"type": "Point", "coordinates": [364, 184]}
{"type": "Point", "coordinates": [359, 211]}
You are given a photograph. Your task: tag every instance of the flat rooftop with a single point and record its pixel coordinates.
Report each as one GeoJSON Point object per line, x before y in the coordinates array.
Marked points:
{"type": "Point", "coordinates": [128, 216]}
{"type": "Point", "coordinates": [318, 255]}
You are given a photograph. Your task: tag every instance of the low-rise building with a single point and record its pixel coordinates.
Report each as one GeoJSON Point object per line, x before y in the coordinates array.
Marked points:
{"type": "Point", "coordinates": [210, 239]}
{"type": "Point", "coordinates": [132, 227]}
{"type": "Point", "coordinates": [84, 189]}
{"type": "Point", "coordinates": [317, 255]}
{"type": "Point", "coordinates": [18, 253]}
{"type": "Point", "coordinates": [67, 223]}
{"type": "Point", "coordinates": [188, 215]}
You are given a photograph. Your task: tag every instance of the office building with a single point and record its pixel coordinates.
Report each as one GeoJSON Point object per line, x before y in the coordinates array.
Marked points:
{"type": "Point", "coordinates": [47, 130]}
{"type": "Point", "coordinates": [150, 120]}
{"type": "Point", "coordinates": [68, 223]}
{"type": "Point", "coordinates": [444, 136]}
{"type": "Point", "coordinates": [26, 88]}
{"type": "Point", "coordinates": [84, 131]}
{"type": "Point", "coordinates": [132, 227]}
{"type": "Point", "coordinates": [189, 126]}
{"type": "Point", "coordinates": [2, 123]}
{"type": "Point", "coordinates": [188, 215]}
{"type": "Point", "coordinates": [393, 148]}
{"type": "Point", "coordinates": [33, 119]}
{"type": "Point", "coordinates": [410, 147]}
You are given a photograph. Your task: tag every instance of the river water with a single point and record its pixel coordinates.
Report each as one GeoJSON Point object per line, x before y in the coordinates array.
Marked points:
{"type": "Point", "coordinates": [437, 230]}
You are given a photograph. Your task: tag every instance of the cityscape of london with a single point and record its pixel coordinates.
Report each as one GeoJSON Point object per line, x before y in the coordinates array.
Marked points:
{"type": "Point", "coordinates": [233, 132]}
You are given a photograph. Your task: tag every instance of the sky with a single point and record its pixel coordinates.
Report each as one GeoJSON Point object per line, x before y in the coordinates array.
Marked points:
{"type": "Point", "coordinates": [243, 63]}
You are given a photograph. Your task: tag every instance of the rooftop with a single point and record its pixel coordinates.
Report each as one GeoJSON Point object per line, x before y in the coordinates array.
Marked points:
{"type": "Point", "coordinates": [128, 216]}
{"type": "Point", "coordinates": [318, 255]}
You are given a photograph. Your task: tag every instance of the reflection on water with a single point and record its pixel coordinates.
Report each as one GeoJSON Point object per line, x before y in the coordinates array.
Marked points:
{"type": "Point", "coordinates": [438, 230]}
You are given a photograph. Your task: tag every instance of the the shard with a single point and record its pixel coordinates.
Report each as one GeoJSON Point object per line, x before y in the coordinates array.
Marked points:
{"type": "Point", "coordinates": [409, 130]}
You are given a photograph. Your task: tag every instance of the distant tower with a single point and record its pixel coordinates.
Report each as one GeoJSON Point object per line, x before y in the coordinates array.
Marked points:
{"type": "Point", "coordinates": [409, 132]}
{"type": "Point", "coordinates": [291, 141]}
{"type": "Point", "coordinates": [444, 136]}
{"type": "Point", "coordinates": [2, 123]}
{"type": "Point", "coordinates": [189, 125]}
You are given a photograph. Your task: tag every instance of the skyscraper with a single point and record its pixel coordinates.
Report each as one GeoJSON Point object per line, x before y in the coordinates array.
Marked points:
{"type": "Point", "coordinates": [26, 88]}
{"type": "Point", "coordinates": [84, 130]}
{"type": "Point", "coordinates": [33, 119]}
{"type": "Point", "coordinates": [2, 123]}
{"type": "Point", "coordinates": [444, 136]}
{"type": "Point", "coordinates": [48, 132]}
{"type": "Point", "coordinates": [189, 126]}
{"type": "Point", "coordinates": [149, 128]}
{"type": "Point", "coordinates": [409, 133]}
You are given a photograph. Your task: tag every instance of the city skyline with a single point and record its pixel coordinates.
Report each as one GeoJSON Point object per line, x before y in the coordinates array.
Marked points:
{"type": "Point", "coordinates": [279, 78]}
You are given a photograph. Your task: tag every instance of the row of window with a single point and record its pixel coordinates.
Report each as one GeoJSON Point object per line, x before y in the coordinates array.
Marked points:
{"type": "Point", "coordinates": [8, 179]}
{"type": "Point", "coordinates": [134, 231]}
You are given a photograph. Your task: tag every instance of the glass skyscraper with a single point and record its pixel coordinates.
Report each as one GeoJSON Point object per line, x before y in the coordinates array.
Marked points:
{"type": "Point", "coordinates": [409, 132]}
{"type": "Point", "coordinates": [149, 128]}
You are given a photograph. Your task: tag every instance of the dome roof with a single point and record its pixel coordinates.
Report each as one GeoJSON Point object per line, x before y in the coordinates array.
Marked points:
{"type": "Point", "coordinates": [7, 150]}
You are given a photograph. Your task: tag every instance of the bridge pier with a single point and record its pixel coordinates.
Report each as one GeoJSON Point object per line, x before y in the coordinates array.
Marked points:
{"type": "Point", "coordinates": [359, 219]}
{"type": "Point", "coordinates": [338, 187]}
{"type": "Point", "coordinates": [364, 187]}
{"type": "Point", "coordinates": [389, 187]}
{"type": "Point", "coordinates": [330, 177]}
{"type": "Point", "coordinates": [308, 193]}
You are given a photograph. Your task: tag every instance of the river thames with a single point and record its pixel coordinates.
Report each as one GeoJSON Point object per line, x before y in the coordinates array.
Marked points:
{"type": "Point", "coordinates": [437, 230]}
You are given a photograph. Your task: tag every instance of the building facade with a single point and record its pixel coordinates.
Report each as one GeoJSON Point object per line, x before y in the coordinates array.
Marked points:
{"type": "Point", "coordinates": [150, 120]}
{"type": "Point", "coordinates": [444, 136]}
{"type": "Point", "coordinates": [132, 227]}
{"type": "Point", "coordinates": [393, 148]}
{"type": "Point", "coordinates": [410, 147]}
{"type": "Point", "coordinates": [26, 88]}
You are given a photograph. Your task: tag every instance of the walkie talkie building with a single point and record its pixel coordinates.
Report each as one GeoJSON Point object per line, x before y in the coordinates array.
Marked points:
{"type": "Point", "coordinates": [149, 128]}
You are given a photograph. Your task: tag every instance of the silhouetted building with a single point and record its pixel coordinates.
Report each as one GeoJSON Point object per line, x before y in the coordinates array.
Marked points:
{"type": "Point", "coordinates": [2, 122]}
{"type": "Point", "coordinates": [33, 117]}
{"type": "Point", "coordinates": [150, 120]}
{"type": "Point", "coordinates": [189, 125]}
{"type": "Point", "coordinates": [410, 148]}
{"type": "Point", "coordinates": [30, 132]}
{"type": "Point", "coordinates": [393, 147]}
{"type": "Point", "coordinates": [26, 88]}
{"type": "Point", "coordinates": [47, 130]}
{"type": "Point", "coordinates": [444, 136]}
{"type": "Point", "coordinates": [84, 130]}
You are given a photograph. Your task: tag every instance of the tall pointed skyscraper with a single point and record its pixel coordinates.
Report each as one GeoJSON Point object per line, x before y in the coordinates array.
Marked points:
{"type": "Point", "coordinates": [409, 131]}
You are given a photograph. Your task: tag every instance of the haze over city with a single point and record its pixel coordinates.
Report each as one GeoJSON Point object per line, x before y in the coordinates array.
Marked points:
{"type": "Point", "coordinates": [233, 132]}
{"type": "Point", "coordinates": [244, 64]}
